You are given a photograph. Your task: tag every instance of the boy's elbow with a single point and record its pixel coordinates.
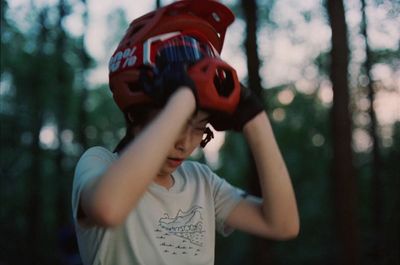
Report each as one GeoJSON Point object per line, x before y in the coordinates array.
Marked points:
{"type": "Point", "coordinates": [99, 209]}
{"type": "Point", "coordinates": [105, 217]}
{"type": "Point", "coordinates": [283, 232]}
{"type": "Point", "coordinates": [289, 232]}
{"type": "Point", "coordinates": [101, 213]}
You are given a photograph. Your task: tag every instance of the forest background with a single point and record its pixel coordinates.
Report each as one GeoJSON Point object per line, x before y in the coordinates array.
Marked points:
{"type": "Point", "coordinates": [327, 71]}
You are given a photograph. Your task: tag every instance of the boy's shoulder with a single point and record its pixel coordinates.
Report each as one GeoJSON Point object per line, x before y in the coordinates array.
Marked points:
{"type": "Point", "coordinates": [195, 165]}
{"type": "Point", "coordinates": [99, 152]}
{"type": "Point", "coordinates": [97, 149]}
{"type": "Point", "coordinates": [197, 170]}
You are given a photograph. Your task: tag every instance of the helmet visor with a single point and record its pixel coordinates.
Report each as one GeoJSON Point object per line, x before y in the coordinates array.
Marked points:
{"type": "Point", "coordinates": [182, 50]}
{"type": "Point", "coordinates": [175, 48]}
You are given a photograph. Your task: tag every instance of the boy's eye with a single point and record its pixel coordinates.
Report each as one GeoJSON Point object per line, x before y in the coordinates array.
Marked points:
{"type": "Point", "coordinates": [200, 129]}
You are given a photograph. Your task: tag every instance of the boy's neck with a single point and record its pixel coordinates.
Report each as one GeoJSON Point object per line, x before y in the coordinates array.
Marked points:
{"type": "Point", "coordinates": [166, 181]}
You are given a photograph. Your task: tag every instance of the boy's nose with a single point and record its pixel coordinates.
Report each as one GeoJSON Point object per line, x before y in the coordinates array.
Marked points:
{"type": "Point", "coordinates": [183, 140]}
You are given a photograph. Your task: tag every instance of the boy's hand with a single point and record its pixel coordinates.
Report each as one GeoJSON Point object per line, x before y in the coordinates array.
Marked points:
{"type": "Point", "coordinates": [161, 84]}
{"type": "Point", "coordinates": [249, 106]}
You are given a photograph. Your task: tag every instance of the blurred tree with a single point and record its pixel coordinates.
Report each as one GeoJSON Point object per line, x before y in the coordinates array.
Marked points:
{"type": "Point", "coordinates": [376, 164]}
{"type": "Point", "coordinates": [260, 247]}
{"type": "Point", "coordinates": [38, 66]}
{"type": "Point", "coordinates": [43, 131]}
{"type": "Point", "coordinates": [14, 128]}
{"type": "Point", "coordinates": [85, 64]}
{"type": "Point", "coordinates": [36, 86]}
{"type": "Point", "coordinates": [391, 181]}
{"type": "Point", "coordinates": [343, 172]}
{"type": "Point", "coordinates": [63, 79]}
{"type": "Point", "coordinates": [301, 126]}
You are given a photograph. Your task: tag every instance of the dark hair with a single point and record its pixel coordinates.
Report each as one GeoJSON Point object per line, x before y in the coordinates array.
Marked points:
{"type": "Point", "coordinates": [137, 116]}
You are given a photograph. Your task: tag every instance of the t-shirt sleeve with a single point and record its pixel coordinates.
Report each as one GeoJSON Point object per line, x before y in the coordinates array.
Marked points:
{"type": "Point", "coordinates": [92, 164]}
{"type": "Point", "coordinates": [226, 197]}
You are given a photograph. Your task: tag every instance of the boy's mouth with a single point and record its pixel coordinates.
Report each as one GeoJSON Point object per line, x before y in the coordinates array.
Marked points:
{"type": "Point", "coordinates": [174, 162]}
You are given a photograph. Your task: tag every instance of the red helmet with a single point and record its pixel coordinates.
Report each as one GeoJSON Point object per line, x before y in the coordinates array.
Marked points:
{"type": "Point", "coordinates": [205, 20]}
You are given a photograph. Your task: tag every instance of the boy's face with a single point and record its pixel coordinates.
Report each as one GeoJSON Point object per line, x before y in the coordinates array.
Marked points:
{"type": "Point", "coordinates": [190, 138]}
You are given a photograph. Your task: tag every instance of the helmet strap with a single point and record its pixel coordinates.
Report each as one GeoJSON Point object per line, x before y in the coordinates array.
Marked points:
{"type": "Point", "coordinates": [209, 135]}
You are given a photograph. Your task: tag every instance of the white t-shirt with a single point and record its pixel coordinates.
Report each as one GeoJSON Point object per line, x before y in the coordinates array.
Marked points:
{"type": "Point", "coordinates": [175, 226]}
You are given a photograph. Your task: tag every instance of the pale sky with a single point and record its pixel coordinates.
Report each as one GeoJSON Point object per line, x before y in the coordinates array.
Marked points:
{"type": "Point", "coordinates": [285, 53]}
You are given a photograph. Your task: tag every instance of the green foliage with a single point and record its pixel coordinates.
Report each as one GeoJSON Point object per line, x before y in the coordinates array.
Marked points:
{"type": "Point", "coordinates": [322, 61]}
{"type": "Point", "coordinates": [386, 56]}
{"type": "Point", "coordinates": [105, 125]}
{"type": "Point", "coordinates": [391, 205]}
{"type": "Point", "coordinates": [38, 71]}
{"type": "Point", "coordinates": [304, 137]}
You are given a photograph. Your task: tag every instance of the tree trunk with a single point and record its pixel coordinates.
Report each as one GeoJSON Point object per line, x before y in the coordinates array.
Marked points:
{"type": "Point", "coordinates": [343, 172]}
{"type": "Point", "coordinates": [34, 188]}
{"type": "Point", "coordinates": [376, 183]}
{"type": "Point", "coordinates": [62, 98]}
{"type": "Point", "coordinates": [261, 250]}
{"type": "Point", "coordinates": [85, 63]}
{"type": "Point", "coordinates": [250, 44]}
{"type": "Point", "coordinates": [34, 179]}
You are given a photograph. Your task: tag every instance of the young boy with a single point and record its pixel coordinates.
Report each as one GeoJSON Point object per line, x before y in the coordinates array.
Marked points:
{"type": "Point", "coordinates": [144, 204]}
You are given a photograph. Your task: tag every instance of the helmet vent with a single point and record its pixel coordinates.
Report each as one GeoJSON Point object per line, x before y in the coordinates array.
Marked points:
{"type": "Point", "coordinates": [223, 81]}
{"type": "Point", "coordinates": [216, 17]}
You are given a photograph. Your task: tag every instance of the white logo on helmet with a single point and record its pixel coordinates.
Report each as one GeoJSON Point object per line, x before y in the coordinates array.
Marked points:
{"type": "Point", "coordinates": [122, 60]}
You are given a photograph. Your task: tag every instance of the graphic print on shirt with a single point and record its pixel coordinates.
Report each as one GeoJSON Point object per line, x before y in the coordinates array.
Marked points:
{"type": "Point", "coordinates": [182, 234]}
